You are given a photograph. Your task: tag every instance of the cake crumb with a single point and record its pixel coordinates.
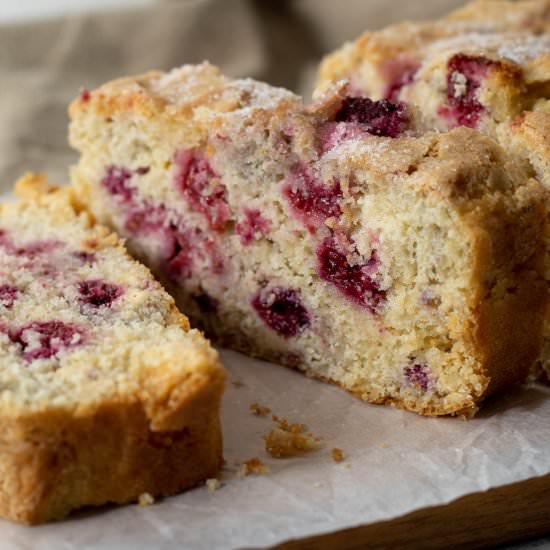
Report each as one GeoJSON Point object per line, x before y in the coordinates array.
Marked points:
{"type": "Point", "coordinates": [145, 499]}
{"type": "Point", "coordinates": [213, 484]}
{"type": "Point", "coordinates": [237, 382]}
{"type": "Point", "coordinates": [337, 455]}
{"type": "Point", "coordinates": [253, 466]}
{"type": "Point", "coordinates": [287, 440]}
{"type": "Point", "coordinates": [259, 410]}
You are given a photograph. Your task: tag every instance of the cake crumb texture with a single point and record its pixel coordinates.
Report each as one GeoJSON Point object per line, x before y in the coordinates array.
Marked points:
{"type": "Point", "coordinates": [145, 499]}
{"type": "Point", "coordinates": [340, 238]}
{"type": "Point", "coordinates": [287, 440]}
{"type": "Point", "coordinates": [259, 410]}
{"type": "Point", "coordinates": [337, 455]}
{"type": "Point", "coordinates": [253, 466]}
{"type": "Point", "coordinates": [213, 484]}
{"type": "Point", "coordinates": [106, 394]}
{"type": "Point", "coordinates": [485, 66]}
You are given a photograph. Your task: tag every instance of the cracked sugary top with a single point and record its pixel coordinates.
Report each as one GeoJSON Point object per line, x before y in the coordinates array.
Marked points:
{"type": "Point", "coordinates": [179, 92]}
{"type": "Point", "coordinates": [196, 105]}
{"type": "Point", "coordinates": [509, 31]}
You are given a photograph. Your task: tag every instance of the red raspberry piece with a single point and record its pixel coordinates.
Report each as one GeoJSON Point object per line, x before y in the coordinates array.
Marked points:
{"type": "Point", "coordinates": [281, 309]}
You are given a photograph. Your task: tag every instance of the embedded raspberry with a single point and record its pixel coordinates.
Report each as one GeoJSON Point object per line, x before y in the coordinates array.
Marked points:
{"type": "Point", "coordinates": [4, 239]}
{"type": "Point", "coordinates": [399, 72]}
{"type": "Point", "coordinates": [281, 309]}
{"type": "Point", "coordinates": [465, 74]}
{"type": "Point", "coordinates": [310, 199]}
{"type": "Point", "coordinates": [98, 293]}
{"type": "Point", "coordinates": [85, 95]}
{"type": "Point", "coordinates": [116, 181]}
{"type": "Point", "coordinates": [418, 375]}
{"type": "Point", "coordinates": [37, 248]}
{"type": "Point", "coordinates": [253, 226]}
{"type": "Point", "coordinates": [380, 118]}
{"type": "Point", "coordinates": [146, 219]}
{"type": "Point", "coordinates": [354, 281]}
{"type": "Point", "coordinates": [44, 339]}
{"type": "Point", "coordinates": [8, 295]}
{"type": "Point", "coordinates": [179, 247]}
{"type": "Point", "coordinates": [202, 188]}
{"type": "Point", "coordinates": [180, 263]}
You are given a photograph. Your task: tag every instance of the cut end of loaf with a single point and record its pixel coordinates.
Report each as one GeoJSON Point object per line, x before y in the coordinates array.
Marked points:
{"type": "Point", "coordinates": [339, 239]}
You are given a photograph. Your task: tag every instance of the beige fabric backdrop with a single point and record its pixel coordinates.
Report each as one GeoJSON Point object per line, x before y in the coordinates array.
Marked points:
{"type": "Point", "coordinates": [43, 65]}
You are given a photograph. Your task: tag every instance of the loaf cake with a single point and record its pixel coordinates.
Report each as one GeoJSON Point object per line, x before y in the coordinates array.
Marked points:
{"type": "Point", "coordinates": [105, 392]}
{"type": "Point", "coordinates": [406, 268]}
{"type": "Point", "coordinates": [486, 66]}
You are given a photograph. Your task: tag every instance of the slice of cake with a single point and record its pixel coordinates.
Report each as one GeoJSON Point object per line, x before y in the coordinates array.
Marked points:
{"type": "Point", "coordinates": [408, 270]}
{"type": "Point", "coordinates": [486, 66]}
{"type": "Point", "coordinates": [105, 392]}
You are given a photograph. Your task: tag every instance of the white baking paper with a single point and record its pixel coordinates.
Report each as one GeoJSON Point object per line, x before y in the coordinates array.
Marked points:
{"type": "Point", "coordinates": [396, 462]}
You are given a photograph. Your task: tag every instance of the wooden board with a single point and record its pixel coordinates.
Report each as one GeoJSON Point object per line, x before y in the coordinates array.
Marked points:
{"type": "Point", "coordinates": [503, 515]}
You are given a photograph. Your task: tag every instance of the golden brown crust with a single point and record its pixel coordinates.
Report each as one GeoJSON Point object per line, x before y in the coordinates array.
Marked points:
{"type": "Point", "coordinates": [498, 15]}
{"type": "Point", "coordinates": [192, 92]}
{"type": "Point", "coordinates": [160, 435]}
{"type": "Point", "coordinates": [506, 332]}
{"type": "Point", "coordinates": [54, 462]}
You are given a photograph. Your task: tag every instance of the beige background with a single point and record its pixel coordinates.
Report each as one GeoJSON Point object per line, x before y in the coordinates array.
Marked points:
{"type": "Point", "coordinates": [43, 64]}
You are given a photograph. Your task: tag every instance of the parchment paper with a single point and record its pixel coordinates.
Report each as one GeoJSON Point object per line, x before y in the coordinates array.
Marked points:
{"type": "Point", "coordinates": [396, 462]}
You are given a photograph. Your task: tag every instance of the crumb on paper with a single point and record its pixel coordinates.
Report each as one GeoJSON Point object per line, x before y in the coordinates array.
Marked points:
{"type": "Point", "coordinates": [259, 410]}
{"type": "Point", "coordinates": [253, 466]}
{"type": "Point", "coordinates": [337, 455]}
{"type": "Point", "coordinates": [384, 445]}
{"type": "Point", "coordinates": [286, 440]}
{"type": "Point", "coordinates": [213, 484]}
{"type": "Point", "coordinates": [145, 499]}
{"type": "Point", "coordinates": [237, 382]}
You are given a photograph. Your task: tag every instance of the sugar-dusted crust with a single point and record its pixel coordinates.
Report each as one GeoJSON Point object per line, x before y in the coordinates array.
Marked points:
{"type": "Point", "coordinates": [482, 332]}
{"type": "Point", "coordinates": [377, 56]}
{"type": "Point", "coordinates": [155, 431]}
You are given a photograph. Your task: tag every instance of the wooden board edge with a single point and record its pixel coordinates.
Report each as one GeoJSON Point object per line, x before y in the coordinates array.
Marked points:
{"type": "Point", "coordinates": [501, 515]}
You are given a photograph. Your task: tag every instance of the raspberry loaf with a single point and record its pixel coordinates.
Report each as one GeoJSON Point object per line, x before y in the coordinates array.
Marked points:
{"type": "Point", "coordinates": [105, 392]}
{"type": "Point", "coordinates": [486, 66]}
{"type": "Point", "coordinates": [406, 269]}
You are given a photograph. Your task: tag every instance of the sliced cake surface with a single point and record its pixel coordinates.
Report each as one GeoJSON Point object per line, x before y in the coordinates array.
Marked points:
{"type": "Point", "coordinates": [406, 268]}
{"type": "Point", "coordinates": [105, 392]}
{"type": "Point", "coordinates": [486, 66]}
